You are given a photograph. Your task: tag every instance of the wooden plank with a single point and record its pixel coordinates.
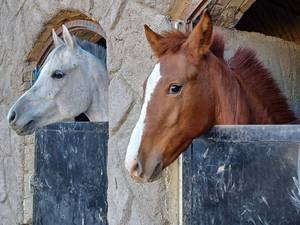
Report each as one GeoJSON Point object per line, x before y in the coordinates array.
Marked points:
{"type": "Point", "coordinates": [242, 175]}
{"type": "Point", "coordinates": [70, 174]}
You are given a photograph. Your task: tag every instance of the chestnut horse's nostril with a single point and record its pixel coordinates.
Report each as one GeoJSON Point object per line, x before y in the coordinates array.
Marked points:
{"type": "Point", "coordinates": [137, 169]}
{"type": "Point", "coordinates": [140, 168]}
{"type": "Point", "coordinates": [12, 117]}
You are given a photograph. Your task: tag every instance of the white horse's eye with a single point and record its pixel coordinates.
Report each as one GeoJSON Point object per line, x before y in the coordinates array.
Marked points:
{"type": "Point", "coordinates": [58, 74]}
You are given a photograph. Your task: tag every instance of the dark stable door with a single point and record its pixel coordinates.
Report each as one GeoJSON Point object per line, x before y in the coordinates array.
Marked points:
{"type": "Point", "coordinates": [70, 182]}
{"type": "Point", "coordinates": [243, 175]}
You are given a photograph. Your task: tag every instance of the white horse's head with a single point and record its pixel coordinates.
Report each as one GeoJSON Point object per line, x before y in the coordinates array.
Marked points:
{"type": "Point", "coordinates": [72, 81]}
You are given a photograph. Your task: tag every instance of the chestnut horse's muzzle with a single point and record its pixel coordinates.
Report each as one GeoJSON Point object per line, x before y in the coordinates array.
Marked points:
{"type": "Point", "coordinates": [146, 171]}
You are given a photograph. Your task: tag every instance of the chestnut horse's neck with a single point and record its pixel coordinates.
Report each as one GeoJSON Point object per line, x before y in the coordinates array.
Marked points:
{"type": "Point", "coordinates": [244, 90]}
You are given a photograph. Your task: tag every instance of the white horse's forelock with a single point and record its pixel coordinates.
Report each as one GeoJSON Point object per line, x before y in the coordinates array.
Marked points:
{"type": "Point", "coordinates": [138, 131]}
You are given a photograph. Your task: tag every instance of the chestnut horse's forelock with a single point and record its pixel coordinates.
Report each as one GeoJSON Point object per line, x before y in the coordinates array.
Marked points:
{"type": "Point", "coordinates": [172, 42]}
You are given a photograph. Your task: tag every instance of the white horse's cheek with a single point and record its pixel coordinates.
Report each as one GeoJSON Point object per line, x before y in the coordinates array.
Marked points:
{"type": "Point", "coordinates": [66, 106]}
{"type": "Point", "coordinates": [44, 90]}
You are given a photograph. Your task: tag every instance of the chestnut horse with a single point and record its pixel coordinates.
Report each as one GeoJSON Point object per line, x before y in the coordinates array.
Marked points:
{"type": "Point", "coordinates": [193, 88]}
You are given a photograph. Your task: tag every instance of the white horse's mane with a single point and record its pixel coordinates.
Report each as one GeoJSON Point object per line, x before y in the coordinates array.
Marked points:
{"type": "Point", "coordinates": [93, 48]}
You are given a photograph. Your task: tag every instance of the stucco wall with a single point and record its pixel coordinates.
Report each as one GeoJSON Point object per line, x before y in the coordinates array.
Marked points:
{"type": "Point", "coordinates": [129, 62]}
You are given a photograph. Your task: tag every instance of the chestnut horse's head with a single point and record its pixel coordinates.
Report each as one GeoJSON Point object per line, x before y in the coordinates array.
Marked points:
{"type": "Point", "coordinates": [178, 104]}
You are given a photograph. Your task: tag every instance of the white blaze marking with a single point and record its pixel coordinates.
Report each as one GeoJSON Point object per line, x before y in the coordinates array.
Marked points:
{"type": "Point", "coordinates": [137, 133]}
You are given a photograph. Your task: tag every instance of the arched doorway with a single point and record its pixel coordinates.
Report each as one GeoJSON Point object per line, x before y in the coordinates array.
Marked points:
{"type": "Point", "coordinates": [79, 24]}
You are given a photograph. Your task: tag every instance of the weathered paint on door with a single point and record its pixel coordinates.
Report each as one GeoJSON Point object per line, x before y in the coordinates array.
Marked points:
{"type": "Point", "coordinates": [70, 185]}
{"type": "Point", "coordinates": [243, 175]}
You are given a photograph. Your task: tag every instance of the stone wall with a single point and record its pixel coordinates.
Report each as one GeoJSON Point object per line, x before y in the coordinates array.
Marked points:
{"type": "Point", "coordinates": [129, 62]}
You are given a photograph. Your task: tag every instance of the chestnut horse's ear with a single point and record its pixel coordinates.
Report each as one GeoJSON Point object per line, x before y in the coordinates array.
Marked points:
{"type": "Point", "coordinates": [153, 39]}
{"type": "Point", "coordinates": [200, 39]}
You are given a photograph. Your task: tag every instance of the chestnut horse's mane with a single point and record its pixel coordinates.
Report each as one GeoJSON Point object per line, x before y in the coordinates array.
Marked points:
{"type": "Point", "coordinates": [255, 77]}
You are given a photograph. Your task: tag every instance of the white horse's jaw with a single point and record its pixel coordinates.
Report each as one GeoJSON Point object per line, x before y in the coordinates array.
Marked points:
{"type": "Point", "coordinates": [137, 133]}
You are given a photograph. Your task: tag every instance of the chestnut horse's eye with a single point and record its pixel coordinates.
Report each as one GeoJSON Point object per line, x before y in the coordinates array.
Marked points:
{"type": "Point", "coordinates": [58, 74]}
{"type": "Point", "coordinates": [175, 88]}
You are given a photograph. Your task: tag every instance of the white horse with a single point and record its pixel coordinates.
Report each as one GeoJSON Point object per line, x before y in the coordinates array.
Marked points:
{"type": "Point", "coordinates": [72, 81]}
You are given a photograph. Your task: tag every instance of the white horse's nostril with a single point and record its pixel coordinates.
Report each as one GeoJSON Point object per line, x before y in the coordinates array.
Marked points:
{"type": "Point", "coordinates": [12, 117]}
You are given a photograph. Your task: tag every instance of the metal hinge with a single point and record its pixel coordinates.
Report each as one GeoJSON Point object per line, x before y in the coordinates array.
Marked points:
{"type": "Point", "coordinates": [179, 25]}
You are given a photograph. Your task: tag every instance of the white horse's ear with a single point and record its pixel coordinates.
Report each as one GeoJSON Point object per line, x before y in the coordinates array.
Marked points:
{"type": "Point", "coordinates": [57, 40]}
{"type": "Point", "coordinates": [68, 38]}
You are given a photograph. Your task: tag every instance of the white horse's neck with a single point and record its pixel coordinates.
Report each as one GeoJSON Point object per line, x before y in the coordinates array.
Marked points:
{"type": "Point", "coordinates": [98, 110]}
